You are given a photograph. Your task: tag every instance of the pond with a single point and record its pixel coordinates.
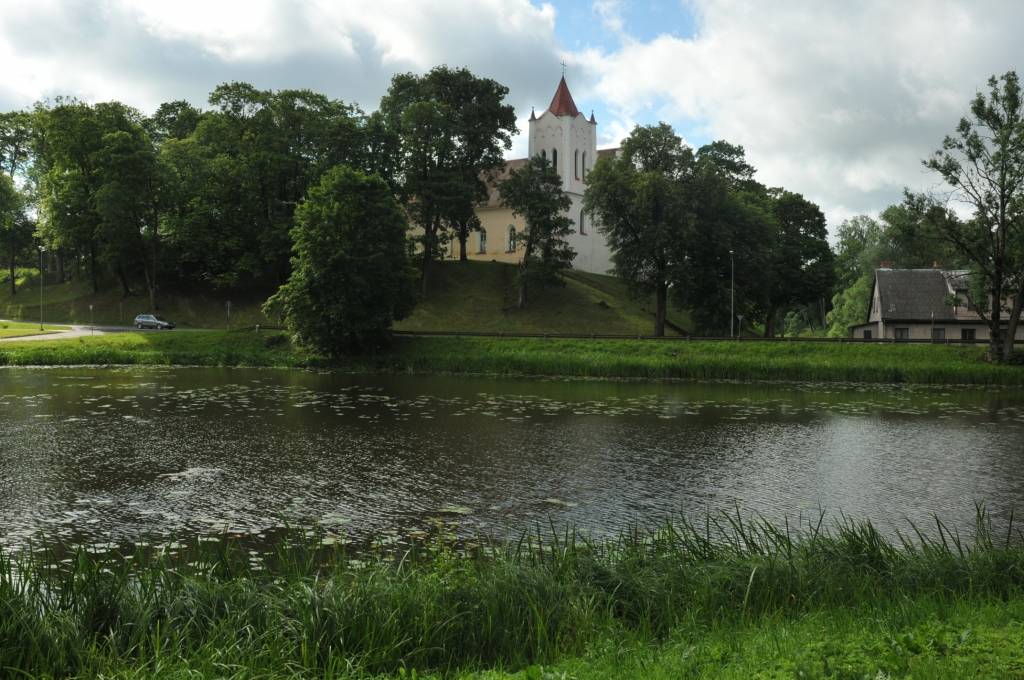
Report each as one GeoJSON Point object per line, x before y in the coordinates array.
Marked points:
{"type": "Point", "coordinates": [116, 456]}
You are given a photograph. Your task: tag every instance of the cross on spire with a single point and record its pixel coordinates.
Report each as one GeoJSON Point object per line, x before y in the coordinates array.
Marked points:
{"type": "Point", "coordinates": [563, 69]}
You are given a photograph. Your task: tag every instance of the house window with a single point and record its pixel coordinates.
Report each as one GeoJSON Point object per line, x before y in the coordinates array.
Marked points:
{"type": "Point", "coordinates": [511, 238]}
{"type": "Point", "coordinates": [902, 333]}
{"type": "Point", "coordinates": [483, 242]}
{"type": "Point", "coordinates": [583, 223]}
{"type": "Point", "coordinates": [938, 334]}
{"type": "Point", "coordinates": [967, 334]}
{"type": "Point", "coordinates": [554, 160]}
{"type": "Point", "coordinates": [867, 335]}
{"type": "Point", "coordinates": [576, 163]}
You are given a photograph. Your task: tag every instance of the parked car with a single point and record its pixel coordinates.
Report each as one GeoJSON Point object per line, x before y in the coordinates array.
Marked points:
{"type": "Point", "coordinates": [153, 321]}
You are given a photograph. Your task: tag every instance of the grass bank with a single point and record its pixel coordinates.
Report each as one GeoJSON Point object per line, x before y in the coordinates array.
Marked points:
{"type": "Point", "coordinates": [17, 329]}
{"type": "Point", "coordinates": [723, 598]}
{"type": "Point", "coordinates": [646, 359]}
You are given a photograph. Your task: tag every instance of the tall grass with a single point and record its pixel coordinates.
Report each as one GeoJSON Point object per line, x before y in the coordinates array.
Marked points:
{"type": "Point", "coordinates": [646, 359]}
{"type": "Point", "coordinates": [318, 612]}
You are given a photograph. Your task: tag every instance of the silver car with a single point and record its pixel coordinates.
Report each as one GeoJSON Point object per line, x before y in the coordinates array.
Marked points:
{"type": "Point", "coordinates": [152, 321]}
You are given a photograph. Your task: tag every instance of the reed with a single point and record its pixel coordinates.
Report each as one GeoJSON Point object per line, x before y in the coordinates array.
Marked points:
{"type": "Point", "coordinates": [453, 608]}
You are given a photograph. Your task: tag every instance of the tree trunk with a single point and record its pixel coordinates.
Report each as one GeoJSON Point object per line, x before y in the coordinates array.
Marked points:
{"type": "Point", "coordinates": [126, 289]}
{"type": "Point", "coordinates": [60, 265]}
{"type": "Point", "coordinates": [661, 302]}
{"type": "Point", "coordinates": [522, 284]}
{"type": "Point", "coordinates": [14, 287]}
{"type": "Point", "coordinates": [769, 323]}
{"type": "Point", "coordinates": [995, 332]}
{"type": "Point", "coordinates": [92, 268]}
{"type": "Point", "coordinates": [428, 254]}
{"type": "Point", "coordinates": [463, 237]}
{"type": "Point", "coordinates": [1011, 326]}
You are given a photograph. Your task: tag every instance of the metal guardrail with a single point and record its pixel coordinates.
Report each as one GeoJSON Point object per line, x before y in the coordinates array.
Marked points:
{"type": "Point", "coordinates": [667, 338]}
{"type": "Point", "coordinates": [685, 338]}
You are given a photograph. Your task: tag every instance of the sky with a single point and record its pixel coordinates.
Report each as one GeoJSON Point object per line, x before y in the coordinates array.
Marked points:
{"type": "Point", "coordinates": [838, 101]}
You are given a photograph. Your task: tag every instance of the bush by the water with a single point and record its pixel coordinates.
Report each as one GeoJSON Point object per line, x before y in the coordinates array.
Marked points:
{"type": "Point", "coordinates": [351, 274]}
{"type": "Point", "coordinates": [449, 605]}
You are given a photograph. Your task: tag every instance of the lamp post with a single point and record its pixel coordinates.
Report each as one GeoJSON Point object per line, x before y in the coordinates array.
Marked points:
{"type": "Point", "coordinates": [41, 251]}
{"type": "Point", "coordinates": [92, 322]}
{"type": "Point", "coordinates": [732, 293]}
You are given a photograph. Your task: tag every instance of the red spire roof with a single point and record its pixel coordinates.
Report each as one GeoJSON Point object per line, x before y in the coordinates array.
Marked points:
{"type": "Point", "coordinates": [562, 103]}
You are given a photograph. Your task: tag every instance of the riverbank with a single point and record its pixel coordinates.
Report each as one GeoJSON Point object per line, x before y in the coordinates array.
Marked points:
{"type": "Point", "coordinates": [725, 598]}
{"type": "Point", "coordinates": [644, 359]}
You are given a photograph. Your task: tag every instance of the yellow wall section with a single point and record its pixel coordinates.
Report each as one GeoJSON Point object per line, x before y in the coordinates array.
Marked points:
{"type": "Point", "coordinates": [495, 221]}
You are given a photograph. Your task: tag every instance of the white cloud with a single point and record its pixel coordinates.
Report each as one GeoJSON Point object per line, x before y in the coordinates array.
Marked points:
{"type": "Point", "coordinates": [839, 101]}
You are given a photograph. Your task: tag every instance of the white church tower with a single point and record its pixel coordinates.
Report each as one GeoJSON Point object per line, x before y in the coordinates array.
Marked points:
{"type": "Point", "coordinates": [568, 140]}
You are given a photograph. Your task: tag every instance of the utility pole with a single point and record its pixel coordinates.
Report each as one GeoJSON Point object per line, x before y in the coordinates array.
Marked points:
{"type": "Point", "coordinates": [732, 293]}
{"type": "Point", "coordinates": [41, 251]}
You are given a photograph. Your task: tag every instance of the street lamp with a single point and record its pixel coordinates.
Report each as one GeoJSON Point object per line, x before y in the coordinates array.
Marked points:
{"type": "Point", "coordinates": [41, 251]}
{"type": "Point", "coordinates": [92, 322]}
{"type": "Point", "coordinates": [732, 293]}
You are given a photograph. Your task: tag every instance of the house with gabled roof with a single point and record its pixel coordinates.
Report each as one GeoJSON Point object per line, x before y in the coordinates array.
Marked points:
{"type": "Point", "coordinates": [922, 304]}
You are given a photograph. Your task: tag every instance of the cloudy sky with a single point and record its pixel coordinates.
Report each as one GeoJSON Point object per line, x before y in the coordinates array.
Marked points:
{"type": "Point", "coordinates": [836, 100]}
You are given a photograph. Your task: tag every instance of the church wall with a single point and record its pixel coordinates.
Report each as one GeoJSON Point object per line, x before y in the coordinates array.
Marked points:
{"type": "Point", "coordinates": [495, 222]}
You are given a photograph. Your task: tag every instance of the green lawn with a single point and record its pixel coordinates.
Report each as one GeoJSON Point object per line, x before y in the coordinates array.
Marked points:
{"type": "Point", "coordinates": [463, 296]}
{"type": "Point", "coordinates": [17, 329]}
{"type": "Point", "coordinates": [481, 296]}
{"type": "Point", "coordinates": [679, 359]}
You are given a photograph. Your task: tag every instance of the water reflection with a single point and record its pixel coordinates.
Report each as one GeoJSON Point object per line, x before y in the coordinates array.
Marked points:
{"type": "Point", "coordinates": [114, 455]}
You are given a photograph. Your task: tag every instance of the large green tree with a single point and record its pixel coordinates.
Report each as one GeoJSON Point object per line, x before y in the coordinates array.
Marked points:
{"type": "Point", "coordinates": [534, 192]}
{"type": "Point", "coordinates": [983, 162]}
{"type": "Point", "coordinates": [15, 228]}
{"type": "Point", "coordinates": [448, 131]}
{"type": "Point", "coordinates": [351, 272]}
{"type": "Point", "coordinates": [800, 267]}
{"type": "Point", "coordinates": [641, 200]}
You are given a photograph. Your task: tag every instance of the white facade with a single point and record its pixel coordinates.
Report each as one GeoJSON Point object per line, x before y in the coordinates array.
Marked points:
{"type": "Point", "coordinates": [566, 138]}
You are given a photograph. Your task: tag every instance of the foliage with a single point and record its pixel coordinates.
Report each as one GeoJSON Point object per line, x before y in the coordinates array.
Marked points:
{"type": "Point", "coordinates": [448, 607]}
{"type": "Point", "coordinates": [641, 201]}
{"type": "Point", "coordinates": [984, 164]}
{"type": "Point", "coordinates": [534, 191]}
{"type": "Point", "coordinates": [351, 277]}
{"type": "Point", "coordinates": [662, 360]}
{"type": "Point", "coordinates": [15, 228]}
{"type": "Point", "coordinates": [444, 131]}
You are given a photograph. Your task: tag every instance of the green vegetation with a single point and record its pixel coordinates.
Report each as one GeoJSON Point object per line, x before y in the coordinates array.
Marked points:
{"type": "Point", "coordinates": [482, 296]}
{"type": "Point", "coordinates": [719, 598]}
{"type": "Point", "coordinates": [647, 359]}
{"type": "Point", "coordinates": [351, 274]}
{"type": "Point", "coordinates": [187, 305]}
{"type": "Point", "coordinates": [15, 329]}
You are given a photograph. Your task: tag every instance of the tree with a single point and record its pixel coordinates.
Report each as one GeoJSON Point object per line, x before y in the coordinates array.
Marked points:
{"type": "Point", "coordinates": [351, 273]}
{"type": "Point", "coordinates": [15, 141]}
{"type": "Point", "coordinates": [983, 162]}
{"type": "Point", "coordinates": [451, 129]}
{"type": "Point", "coordinates": [15, 228]}
{"type": "Point", "coordinates": [732, 213]}
{"type": "Point", "coordinates": [800, 262]}
{"type": "Point", "coordinates": [534, 192]}
{"type": "Point", "coordinates": [641, 202]}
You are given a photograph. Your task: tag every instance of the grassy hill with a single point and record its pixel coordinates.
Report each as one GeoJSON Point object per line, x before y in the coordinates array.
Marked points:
{"type": "Point", "coordinates": [463, 296]}
{"type": "Point", "coordinates": [481, 296]}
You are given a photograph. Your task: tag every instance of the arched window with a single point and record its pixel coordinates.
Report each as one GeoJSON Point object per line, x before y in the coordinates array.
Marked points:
{"type": "Point", "coordinates": [543, 154]}
{"type": "Point", "coordinates": [483, 242]}
{"type": "Point", "coordinates": [576, 163]}
{"type": "Point", "coordinates": [554, 160]}
{"type": "Point", "coordinates": [584, 164]}
{"type": "Point", "coordinates": [511, 238]}
{"type": "Point", "coordinates": [583, 224]}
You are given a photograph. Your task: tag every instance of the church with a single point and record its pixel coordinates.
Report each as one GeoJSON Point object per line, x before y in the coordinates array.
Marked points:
{"type": "Point", "coordinates": [568, 139]}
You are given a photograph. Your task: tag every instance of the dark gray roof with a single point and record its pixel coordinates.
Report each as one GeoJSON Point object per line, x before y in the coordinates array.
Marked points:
{"type": "Point", "coordinates": [913, 294]}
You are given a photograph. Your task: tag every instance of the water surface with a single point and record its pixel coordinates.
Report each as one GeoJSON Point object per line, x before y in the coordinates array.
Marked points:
{"type": "Point", "coordinates": [121, 455]}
